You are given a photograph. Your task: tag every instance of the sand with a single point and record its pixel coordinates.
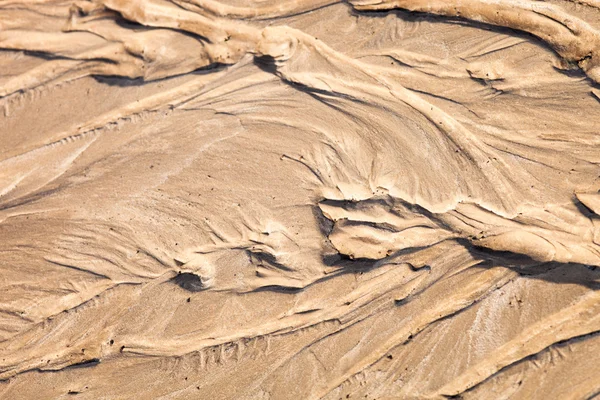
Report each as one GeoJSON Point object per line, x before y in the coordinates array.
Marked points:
{"type": "Point", "coordinates": [262, 199]}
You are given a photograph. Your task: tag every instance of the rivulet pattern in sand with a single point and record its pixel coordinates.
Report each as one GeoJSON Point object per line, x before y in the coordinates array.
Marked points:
{"type": "Point", "coordinates": [292, 199]}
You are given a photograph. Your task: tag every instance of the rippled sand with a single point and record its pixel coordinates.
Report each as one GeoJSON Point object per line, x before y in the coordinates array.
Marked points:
{"type": "Point", "coordinates": [294, 199]}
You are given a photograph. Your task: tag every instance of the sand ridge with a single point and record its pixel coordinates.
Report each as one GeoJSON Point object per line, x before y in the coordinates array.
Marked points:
{"type": "Point", "coordinates": [299, 199]}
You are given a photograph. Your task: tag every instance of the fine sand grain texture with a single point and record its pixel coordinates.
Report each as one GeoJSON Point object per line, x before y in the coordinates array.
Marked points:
{"type": "Point", "coordinates": [299, 199]}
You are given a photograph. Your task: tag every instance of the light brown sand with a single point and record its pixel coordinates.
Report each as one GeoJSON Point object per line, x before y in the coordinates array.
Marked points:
{"type": "Point", "coordinates": [291, 199]}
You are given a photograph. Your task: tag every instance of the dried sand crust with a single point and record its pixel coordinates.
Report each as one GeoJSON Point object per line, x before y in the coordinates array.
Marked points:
{"type": "Point", "coordinates": [320, 199]}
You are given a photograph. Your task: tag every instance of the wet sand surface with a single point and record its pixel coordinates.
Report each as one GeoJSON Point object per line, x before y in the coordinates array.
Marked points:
{"type": "Point", "coordinates": [362, 199]}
